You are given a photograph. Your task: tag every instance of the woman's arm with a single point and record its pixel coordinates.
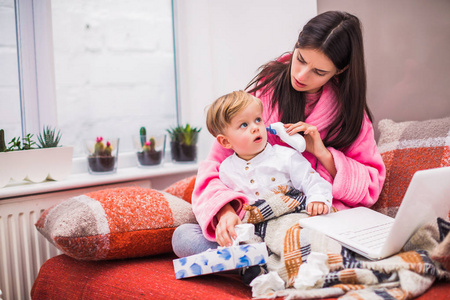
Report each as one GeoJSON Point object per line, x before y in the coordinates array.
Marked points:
{"type": "Point", "coordinates": [360, 171]}
{"type": "Point", "coordinates": [357, 174]}
{"type": "Point", "coordinates": [327, 161]}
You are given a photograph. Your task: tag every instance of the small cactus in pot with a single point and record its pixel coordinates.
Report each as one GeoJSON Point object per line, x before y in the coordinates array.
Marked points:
{"type": "Point", "coordinates": [150, 152]}
{"type": "Point", "coordinates": [103, 158]}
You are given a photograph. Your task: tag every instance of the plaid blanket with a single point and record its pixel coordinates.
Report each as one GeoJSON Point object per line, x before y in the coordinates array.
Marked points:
{"type": "Point", "coordinates": [406, 275]}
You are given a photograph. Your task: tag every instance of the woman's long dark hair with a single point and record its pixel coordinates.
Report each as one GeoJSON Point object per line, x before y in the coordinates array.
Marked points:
{"type": "Point", "coordinates": [338, 35]}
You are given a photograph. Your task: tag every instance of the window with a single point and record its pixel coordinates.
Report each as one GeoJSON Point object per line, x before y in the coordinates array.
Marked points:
{"type": "Point", "coordinates": [10, 117]}
{"type": "Point", "coordinates": [100, 68]}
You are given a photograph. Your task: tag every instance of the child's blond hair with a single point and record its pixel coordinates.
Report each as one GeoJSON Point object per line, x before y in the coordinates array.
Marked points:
{"type": "Point", "coordinates": [222, 110]}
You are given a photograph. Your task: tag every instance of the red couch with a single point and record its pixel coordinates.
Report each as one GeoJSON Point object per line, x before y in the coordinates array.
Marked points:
{"type": "Point", "coordinates": [152, 277]}
{"type": "Point", "coordinates": [63, 277]}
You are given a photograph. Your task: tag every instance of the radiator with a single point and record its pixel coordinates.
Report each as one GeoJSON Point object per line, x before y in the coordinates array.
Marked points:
{"type": "Point", "coordinates": [22, 248]}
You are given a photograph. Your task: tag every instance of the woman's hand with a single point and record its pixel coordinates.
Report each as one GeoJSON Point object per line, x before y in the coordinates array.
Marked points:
{"type": "Point", "coordinates": [314, 144]}
{"type": "Point", "coordinates": [225, 228]}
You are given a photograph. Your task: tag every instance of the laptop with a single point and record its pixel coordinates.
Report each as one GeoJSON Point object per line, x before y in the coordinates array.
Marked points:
{"type": "Point", "coordinates": [375, 235]}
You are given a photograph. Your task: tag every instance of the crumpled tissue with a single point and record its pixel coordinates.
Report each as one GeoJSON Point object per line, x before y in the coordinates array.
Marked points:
{"type": "Point", "coordinates": [265, 286]}
{"type": "Point", "coordinates": [244, 233]}
{"type": "Point", "coordinates": [312, 271]}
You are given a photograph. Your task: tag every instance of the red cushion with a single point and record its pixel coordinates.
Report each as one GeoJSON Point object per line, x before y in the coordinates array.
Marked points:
{"type": "Point", "coordinates": [115, 223]}
{"type": "Point", "coordinates": [183, 189]}
{"type": "Point", "coordinates": [407, 147]}
{"type": "Point", "coordinates": [153, 277]}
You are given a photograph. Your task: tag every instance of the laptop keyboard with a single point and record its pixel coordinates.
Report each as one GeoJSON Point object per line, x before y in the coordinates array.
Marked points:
{"type": "Point", "coordinates": [371, 237]}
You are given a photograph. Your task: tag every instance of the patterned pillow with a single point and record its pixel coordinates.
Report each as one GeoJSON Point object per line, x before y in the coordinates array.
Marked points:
{"type": "Point", "coordinates": [115, 223]}
{"type": "Point", "coordinates": [407, 147]}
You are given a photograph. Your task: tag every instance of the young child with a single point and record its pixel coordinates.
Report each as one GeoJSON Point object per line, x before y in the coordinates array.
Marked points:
{"type": "Point", "coordinates": [258, 168]}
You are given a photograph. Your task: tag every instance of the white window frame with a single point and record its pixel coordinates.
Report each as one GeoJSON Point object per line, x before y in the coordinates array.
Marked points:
{"type": "Point", "coordinates": [36, 65]}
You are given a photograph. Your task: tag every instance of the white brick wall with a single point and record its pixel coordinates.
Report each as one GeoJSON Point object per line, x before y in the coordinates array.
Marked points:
{"type": "Point", "coordinates": [113, 67]}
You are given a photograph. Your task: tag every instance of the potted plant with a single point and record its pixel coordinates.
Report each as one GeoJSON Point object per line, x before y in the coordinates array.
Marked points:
{"type": "Point", "coordinates": [102, 158]}
{"type": "Point", "coordinates": [49, 138]}
{"type": "Point", "coordinates": [150, 152]}
{"type": "Point", "coordinates": [183, 143]}
{"type": "Point", "coordinates": [24, 159]}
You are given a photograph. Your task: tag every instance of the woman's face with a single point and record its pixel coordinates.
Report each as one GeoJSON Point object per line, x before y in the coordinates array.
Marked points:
{"type": "Point", "coordinates": [310, 70]}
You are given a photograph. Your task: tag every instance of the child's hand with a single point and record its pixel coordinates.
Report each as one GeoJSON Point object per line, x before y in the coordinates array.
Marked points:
{"type": "Point", "coordinates": [225, 228]}
{"type": "Point", "coordinates": [317, 208]}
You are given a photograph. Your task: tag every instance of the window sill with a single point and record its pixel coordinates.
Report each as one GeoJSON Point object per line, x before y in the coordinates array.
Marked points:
{"type": "Point", "coordinates": [80, 180]}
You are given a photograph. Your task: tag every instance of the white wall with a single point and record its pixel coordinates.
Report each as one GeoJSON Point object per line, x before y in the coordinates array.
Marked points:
{"type": "Point", "coordinates": [221, 44]}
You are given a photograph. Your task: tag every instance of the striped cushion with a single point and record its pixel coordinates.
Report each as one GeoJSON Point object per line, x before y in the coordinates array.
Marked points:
{"type": "Point", "coordinates": [115, 223]}
{"type": "Point", "coordinates": [407, 147]}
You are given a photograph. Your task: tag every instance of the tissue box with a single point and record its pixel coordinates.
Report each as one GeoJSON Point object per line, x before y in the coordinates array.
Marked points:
{"type": "Point", "coordinates": [221, 259]}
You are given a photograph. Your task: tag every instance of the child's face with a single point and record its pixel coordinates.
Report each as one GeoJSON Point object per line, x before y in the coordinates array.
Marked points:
{"type": "Point", "coordinates": [247, 134]}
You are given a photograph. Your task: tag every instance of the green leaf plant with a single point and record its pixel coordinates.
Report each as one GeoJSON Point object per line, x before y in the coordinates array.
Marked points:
{"type": "Point", "coordinates": [49, 138]}
{"type": "Point", "coordinates": [186, 135]}
{"type": "Point", "coordinates": [16, 144]}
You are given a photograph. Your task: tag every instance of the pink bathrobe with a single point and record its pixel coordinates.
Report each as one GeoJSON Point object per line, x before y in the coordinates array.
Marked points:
{"type": "Point", "coordinates": [358, 182]}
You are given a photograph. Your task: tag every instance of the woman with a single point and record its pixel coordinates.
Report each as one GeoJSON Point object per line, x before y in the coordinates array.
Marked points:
{"type": "Point", "coordinates": [318, 89]}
